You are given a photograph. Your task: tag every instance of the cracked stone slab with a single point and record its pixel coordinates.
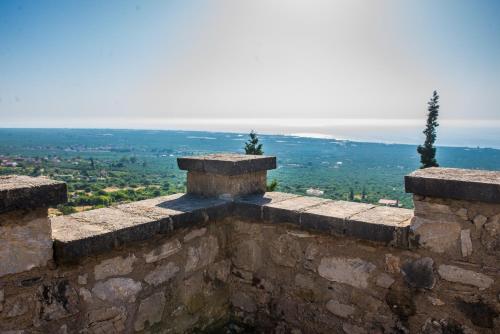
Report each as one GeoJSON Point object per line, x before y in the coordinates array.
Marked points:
{"type": "Point", "coordinates": [331, 216]}
{"type": "Point", "coordinates": [381, 223]}
{"type": "Point", "coordinates": [461, 184]}
{"type": "Point", "coordinates": [289, 210]}
{"type": "Point", "coordinates": [227, 163]}
{"type": "Point", "coordinates": [250, 206]}
{"type": "Point", "coordinates": [25, 192]}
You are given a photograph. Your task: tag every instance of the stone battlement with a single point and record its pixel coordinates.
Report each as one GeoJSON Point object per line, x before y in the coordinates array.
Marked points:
{"type": "Point", "coordinates": [272, 262]}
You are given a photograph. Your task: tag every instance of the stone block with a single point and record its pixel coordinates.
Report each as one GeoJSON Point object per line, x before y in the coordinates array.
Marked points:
{"type": "Point", "coordinates": [117, 266]}
{"type": "Point", "coordinates": [119, 289]}
{"type": "Point", "coordinates": [223, 186]}
{"type": "Point", "coordinates": [384, 224]}
{"type": "Point", "coordinates": [25, 192]}
{"type": "Point", "coordinates": [162, 274]}
{"type": "Point", "coordinates": [339, 309]}
{"type": "Point", "coordinates": [150, 311]}
{"type": "Point", "coordinates": [354, 272]}
{"type": "Point", "coordinates": [227, 163]}
{"type": "Point", "coordinates": [25, 240]}
{"type": "Point", "coordinates": [331, 216]}
{"type": "Point", "coordinates": [107, 320]}
{"type": "Point", "coordinates": [162, 252]}
{"type": "Point", "coordinates": [289, 210]}
{"type": "Point", "coordinates": [419, 273]}
{"type": "Point", "coordinates": [202, 255]}
{"type": "Point", "coordinates": [465, 243]}
{"type": "Point", "coordinates": [461, 184]}
{"type": "Point", "coordinates": [437, 236]}
{"type": "Point", "coordinates": [463, 276]}
{"type": "Point", "coordinates": [97, 231]}
{"type": "Point", "coordinates": [226, 175]}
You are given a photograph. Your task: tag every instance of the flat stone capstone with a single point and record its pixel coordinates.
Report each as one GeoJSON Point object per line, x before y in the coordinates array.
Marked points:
{"type": "Point", "coordinates": [227, 163]}
{"type": "Point", "coordinates": [92, 232]}
{"type": "Point", "coordinates": [455, 183]}
{"type": "Point", "coordinates": [25, 192]}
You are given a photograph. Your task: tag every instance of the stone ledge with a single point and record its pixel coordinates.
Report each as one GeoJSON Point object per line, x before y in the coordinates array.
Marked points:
{"type": "Point", "coordinates": [25, 192]}
{"type": "Point", "coordinates": [97, 231]}
{"type": "Point", "coordinates": [460, 184]}
{"type": "Point", "coordinates": [227, 164]}
{"type": "Point", "coordinates": [358, 220]}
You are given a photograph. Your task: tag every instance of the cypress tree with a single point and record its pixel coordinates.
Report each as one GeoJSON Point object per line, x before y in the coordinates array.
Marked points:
{"type": "Point", "coordinates": [427, 151]}
{"type": "Point", "coordinates": [252, 146]}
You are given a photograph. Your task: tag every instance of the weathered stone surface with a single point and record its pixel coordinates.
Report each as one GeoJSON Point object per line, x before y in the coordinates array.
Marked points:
{"type": "Point", "coordinates": [247, 255]}
{"type": "Point", "coordinates": [220, 270]}
{"type": "Point", "coordinates": [384, 281]}
{"type": "Point", "coordinates": [243, 301]}
{"type": "Point", "coordinates": [392, 264]}
{"type": "Point", "coordinates": [285, 251]}
{"type": "Point", "coordinates": [381, 223]}
{"type": "Point", "coordinates": [331, 216]}
{"type": "Point", "coordinates": [464, 184]}
{"type": "Point", "coordinates": [167, 249]}
{"type": "Point", "coordinates": [479, 221]}
{"type": "Point", "coordinates": [352, 329]}
{"type": "Point", "coordinates": [463, 276]}
{"type": "Point", "coordinates": [437, 236]}
{"type": "Point", "coordinates": [224, 186]}
{"type": "Point", "coordinates": [462, 213]}
{"type": "Point", "coordinates": [227, 163]}
{"type": "Point", "coordinates": [25, 192]}
{"type": "Point", "coordinates": [117, 290]}
{"type": "Point", "coordinates": [195, 234]}
{"type": "Point", "coordinates": [490, 236]}
{"type": "Point", "coordinates": [354, 272]}
{"type": "Point", "coordinates": [85, 294]}
{"type": "Point", "coordinates": [480, 313]}
{"type": "Point", "coordinates": [289, 210]}
{"type": "Point", "coordinates": [57, 300]}
{"type": "Point", "coordinates": [435, 301]}
{"type": "Point", "coordinates": [340, 310]}
{"type": "Point", "coordinates": [107, 320]}
{"type": "Point", "coordinates": [465, 243]}
{"type": "Point", "coordinates": [150, 311]}
{"type": "Point", "coordinates": [97, 231]}
{"type": "Point", "coordinates": [25, 240]}
{"type": "Point", "coordinates": [401, 302]}
{"type": "Point", "coordinates": [419, 273]}
{"type": "Point", "coordinates": [17, 306]}
{"type": "Point", "coordinates": [117, 266]}
{"type": "Point", "coordinates": [162, 274]}
{"type": "Point", "coordinates": [82, 279]}
{"type": "Point", "coordinates": [202, 255]}
{"type": "Point", "coordinates": [444, 326]}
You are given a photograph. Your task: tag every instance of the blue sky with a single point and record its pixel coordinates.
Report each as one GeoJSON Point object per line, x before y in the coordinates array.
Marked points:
{"type": "Point", "coordinates": [123, 63]}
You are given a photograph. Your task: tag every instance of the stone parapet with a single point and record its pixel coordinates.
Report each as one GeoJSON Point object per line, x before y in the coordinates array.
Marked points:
{"type": "Point", "coordinates": [25, 234]}
{"type": "Point", "coordinates": [457, 211]}
{"type": "Point", "coordinates": [97, 231]}
{"type": "Point", "coordinates": [25, 192]}
{"type": "Point", "coordinates": [226, 175]}
{"type": "Point", "coordinates": [358, 220]}
{"type": "Point", "coordinates": [455, 183]}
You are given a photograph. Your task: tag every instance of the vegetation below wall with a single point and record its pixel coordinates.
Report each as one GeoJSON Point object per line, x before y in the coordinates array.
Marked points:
{"type": "Point", "coordinates": [102, 167]}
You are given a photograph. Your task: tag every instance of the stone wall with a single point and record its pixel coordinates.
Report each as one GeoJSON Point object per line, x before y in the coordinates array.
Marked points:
{"type": "Point", "coordinates": [175, 284]}
{"type": "Point", "coordinates": [271, 263]}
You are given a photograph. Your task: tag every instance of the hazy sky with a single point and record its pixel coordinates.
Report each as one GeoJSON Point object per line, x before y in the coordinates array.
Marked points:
{"type": "Point", "coordinates": [126, 63]}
